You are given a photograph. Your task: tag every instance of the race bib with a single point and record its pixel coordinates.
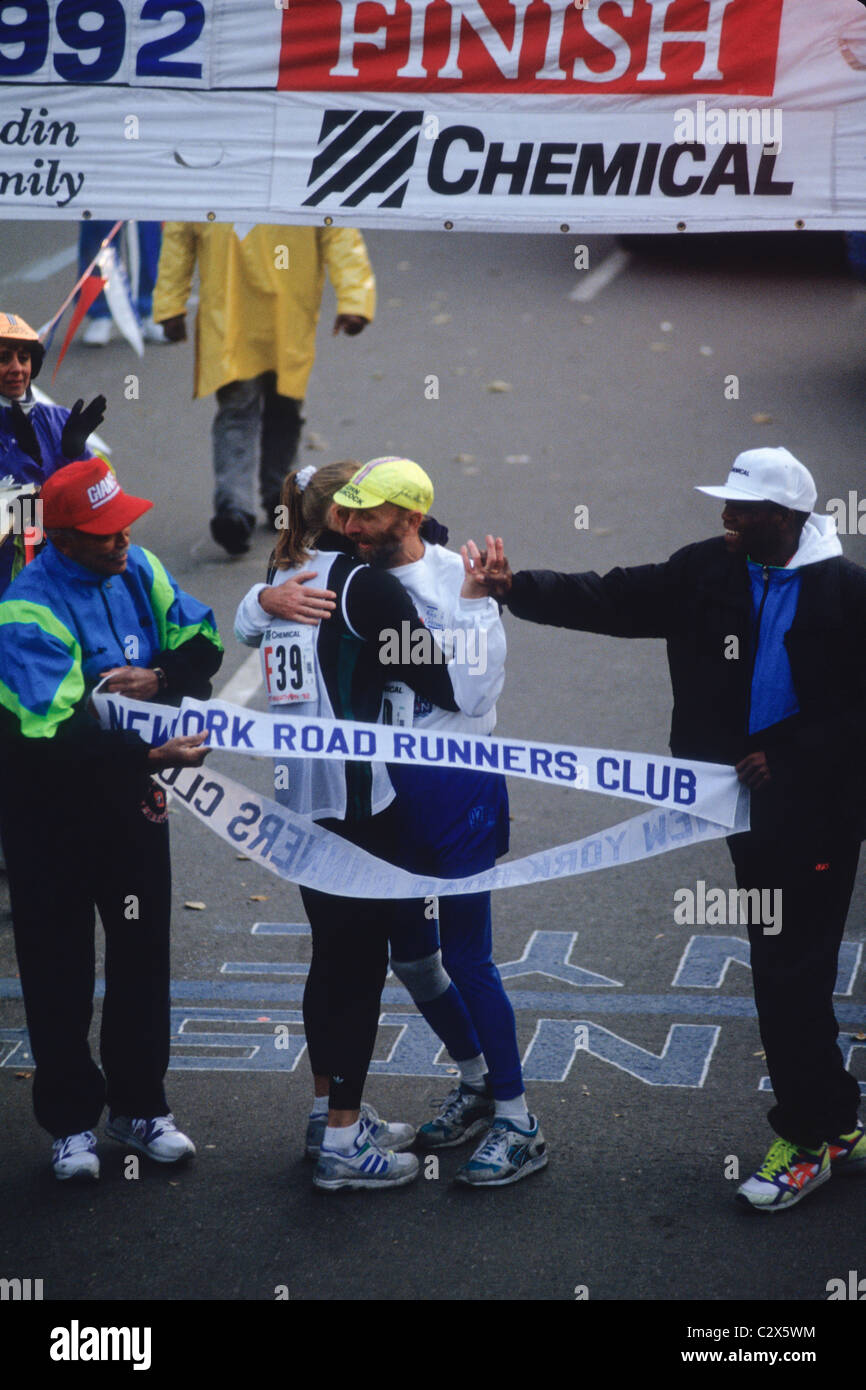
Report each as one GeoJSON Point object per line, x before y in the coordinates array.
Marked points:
{"type": "Point", "coordinates": [398, 705]}
{"type": "Point", "coordinates": [289, 663]}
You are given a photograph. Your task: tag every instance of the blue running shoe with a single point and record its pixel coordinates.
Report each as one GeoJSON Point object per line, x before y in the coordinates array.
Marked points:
{"type": "Point", "coordinates": [388, 1135]}
{"type": "Point", "coordinates": [462, 1114]}
{"type": "Point", "coordinates": [364, 1165]}
{"type": "Point", "coordinates": [507, 1155]}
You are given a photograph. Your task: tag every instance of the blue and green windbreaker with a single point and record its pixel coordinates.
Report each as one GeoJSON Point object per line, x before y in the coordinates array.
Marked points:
{"type": "Point", "coordinates": [61, 624]}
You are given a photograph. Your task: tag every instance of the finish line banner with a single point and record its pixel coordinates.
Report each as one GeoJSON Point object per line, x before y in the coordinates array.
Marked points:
{"type": "Point", "coordinates": [505, 115]}
{"type": "Point", "coordinates": [298, 850]}
{"type": "Point", "coordinates": [707, 790]}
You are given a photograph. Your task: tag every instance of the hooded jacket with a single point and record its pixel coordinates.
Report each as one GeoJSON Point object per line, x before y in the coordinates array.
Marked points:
{"type": "Point", "coordinates": [259, 296]}
{"type": "Point", "coordinates": [698, 601]}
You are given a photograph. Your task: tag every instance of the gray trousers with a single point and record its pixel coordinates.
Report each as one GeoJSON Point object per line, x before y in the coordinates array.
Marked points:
{"type": "Point", "coordinates": [254, 429]}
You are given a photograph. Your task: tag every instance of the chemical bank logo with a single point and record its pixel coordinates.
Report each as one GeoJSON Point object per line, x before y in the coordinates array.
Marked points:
{"type": "Point", "coordinates": [363, 154]}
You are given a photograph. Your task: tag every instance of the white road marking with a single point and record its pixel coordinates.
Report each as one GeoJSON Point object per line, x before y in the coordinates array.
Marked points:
{"type": "Point", "coordinates": [590, 284]}
{"type": "Point", "coordinates": [44, 268]}
{"type": "Point", "coordinates": [242, 686]}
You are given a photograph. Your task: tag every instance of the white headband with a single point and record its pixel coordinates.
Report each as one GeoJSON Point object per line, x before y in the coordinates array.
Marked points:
{"type": "Point", "coordinates": [303, 476]}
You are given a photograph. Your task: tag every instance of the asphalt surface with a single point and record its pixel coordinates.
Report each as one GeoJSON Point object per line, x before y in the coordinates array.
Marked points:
{"type": "Point", "coordinates": [616, 401]}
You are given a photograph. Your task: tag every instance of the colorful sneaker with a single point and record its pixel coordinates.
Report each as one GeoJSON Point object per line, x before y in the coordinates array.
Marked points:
{"type": "Point", "coordinates": [848, 1151]}
{"type": "Point", "coordinates": [507, 1155]}
{"type": "Point", "coordinates": [364, 1165]}
{"type": "Point", "coordinates": [75, 1156]}
{"type": "Point", "coordinates": [158, 1138]}
{"type": "Point", "coordinates": [462, 1114]}
{"type": "Point", "coordinates": [786, 1175]}
{"type": "Point", "coordinates": [387, 1135]}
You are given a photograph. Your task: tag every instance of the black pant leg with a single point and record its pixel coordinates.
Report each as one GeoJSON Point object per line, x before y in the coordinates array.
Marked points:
{"type": "Point", "coordinates": [281, 431]}
{"type": "Point", "coordinates": [134, 901]}
{"type": "Point", "coordinates": [794, 974]}
{"type": "Point", "coordinates": [350, 961]}
{"type": "Point", "coordinates": [53, 920]}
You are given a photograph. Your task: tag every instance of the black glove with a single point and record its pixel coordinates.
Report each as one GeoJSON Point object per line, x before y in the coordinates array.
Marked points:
{"type": "Point", "coordinates": [80, 425]}
{"type": "Point", "coordinates": [433, 531]}
{"type": "Point", "coordinates": [25, 434]}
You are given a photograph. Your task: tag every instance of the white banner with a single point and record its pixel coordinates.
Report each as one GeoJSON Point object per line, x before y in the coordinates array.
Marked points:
{"type": "Point", "coordinates": [606, 115]}
{"type": "Point", "coordinates": [709, 790]}
{"type": "Point", "coordinates": [302, 852]}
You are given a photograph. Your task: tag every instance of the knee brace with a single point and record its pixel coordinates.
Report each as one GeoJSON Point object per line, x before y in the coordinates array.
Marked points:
{"type": "Point", "coordinates": [425, 979]}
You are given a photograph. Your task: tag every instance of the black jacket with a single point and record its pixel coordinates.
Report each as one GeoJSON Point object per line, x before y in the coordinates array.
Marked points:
{"type": "Point", "coordinates": [696, 601]}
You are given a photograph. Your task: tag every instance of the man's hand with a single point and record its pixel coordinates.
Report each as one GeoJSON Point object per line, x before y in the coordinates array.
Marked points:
{"type": "Point", "coordinates": [79, 427]}
{"type": "Point", "coordinates": [350, 324]}
{"type": "Point", "coordinates": [138, 682]}
{"type": "Point", "coordinates": [185, 751]}
{"type": "Point", "coordinates": [25, 434]}
{"type": "Point", "coordinates": [487, 572]}
{"type": "Point", "coordinates": [753, 771]}
{"type": "Point", "coordinates": [291, 601]}
{"type": "Point", "coordinates": [175, 328]}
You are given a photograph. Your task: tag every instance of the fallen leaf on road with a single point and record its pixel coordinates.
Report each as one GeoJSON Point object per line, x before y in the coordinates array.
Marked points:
{"type": "Point", "coordinates": [199, 907]}
{"type": "Point", "coordinates": [762, 419]}
{"type": "Point", "coordinates": [499, 386]}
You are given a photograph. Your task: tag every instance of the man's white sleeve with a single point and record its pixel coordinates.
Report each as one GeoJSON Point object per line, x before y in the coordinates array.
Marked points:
{"type": "Point", "coordinates": [477, 668]}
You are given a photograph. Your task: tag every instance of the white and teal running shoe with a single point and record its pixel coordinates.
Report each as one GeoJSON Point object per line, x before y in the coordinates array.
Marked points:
{"type": "Point", "coordinates": [462, 1114]}
{"type": "Point", "coordinates": [364, 1165]}
{"type": "Point", "coordinates": [506, 1155]}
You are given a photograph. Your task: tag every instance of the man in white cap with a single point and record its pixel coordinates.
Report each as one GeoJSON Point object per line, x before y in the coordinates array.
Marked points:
{"type": "Point", "coordinates": [766, 637]}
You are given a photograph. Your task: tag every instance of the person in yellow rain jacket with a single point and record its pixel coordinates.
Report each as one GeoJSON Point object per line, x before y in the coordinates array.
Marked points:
{"type": "Point", "coordinates": [255, 342]}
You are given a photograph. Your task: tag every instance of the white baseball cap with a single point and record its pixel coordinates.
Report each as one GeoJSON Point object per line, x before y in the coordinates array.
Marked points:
{"type": "Point", "coordinates": [768, 475]}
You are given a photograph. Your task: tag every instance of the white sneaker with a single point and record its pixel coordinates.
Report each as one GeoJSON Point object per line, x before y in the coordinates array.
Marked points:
{"type": "Point", "coordinates": [98, 332]}
{"type": "Point", "coordinates": [75, 1156]}
{"type": "Point", "coordinates": [386, 1134]}
{"type": "Point", "coordinates": [152, 332]}
{"type": "Point", "coordinates": [158, 1138]}
{"type": "Point", "coordinates": [364, 1165]}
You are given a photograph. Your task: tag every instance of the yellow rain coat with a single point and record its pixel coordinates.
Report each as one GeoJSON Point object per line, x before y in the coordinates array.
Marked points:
{"type": "Point", "coordinates": [260, 297]}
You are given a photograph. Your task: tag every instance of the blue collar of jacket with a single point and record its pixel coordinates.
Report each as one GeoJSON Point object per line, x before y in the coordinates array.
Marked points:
{"type": "Point", "coordinates": [64, 570]}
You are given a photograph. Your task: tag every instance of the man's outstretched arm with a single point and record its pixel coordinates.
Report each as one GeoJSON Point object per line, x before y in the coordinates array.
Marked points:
{"type": "Point", "coordinates": [635, 602]}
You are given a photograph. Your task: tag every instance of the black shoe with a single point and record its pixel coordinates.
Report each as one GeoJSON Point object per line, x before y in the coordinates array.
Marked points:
{"type": "Point", "coordinates": [232, 530]}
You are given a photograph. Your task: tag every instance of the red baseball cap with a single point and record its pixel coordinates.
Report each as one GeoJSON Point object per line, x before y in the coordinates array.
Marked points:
{"type": "Point", "coordinates": [86, 496]}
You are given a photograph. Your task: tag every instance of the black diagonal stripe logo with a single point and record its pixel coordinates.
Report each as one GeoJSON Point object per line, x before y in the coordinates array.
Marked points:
{"type": "Point", "coordinates": [397, 138]}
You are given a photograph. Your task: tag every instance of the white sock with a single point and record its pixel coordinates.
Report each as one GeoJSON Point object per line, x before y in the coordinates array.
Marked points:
{"type": "Point", "coordinates": [343, 1138]}
{"type": "Point", "coordinates": [320, 1106]}
{"type": "Point", "coordinates": [514, 1110]}
{"type": "Point", "coordinates": [473, 1072]}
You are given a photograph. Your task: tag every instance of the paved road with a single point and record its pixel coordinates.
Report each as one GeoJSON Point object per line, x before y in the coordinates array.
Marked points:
{"type": "Point", "coordinates": [618, 401]}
